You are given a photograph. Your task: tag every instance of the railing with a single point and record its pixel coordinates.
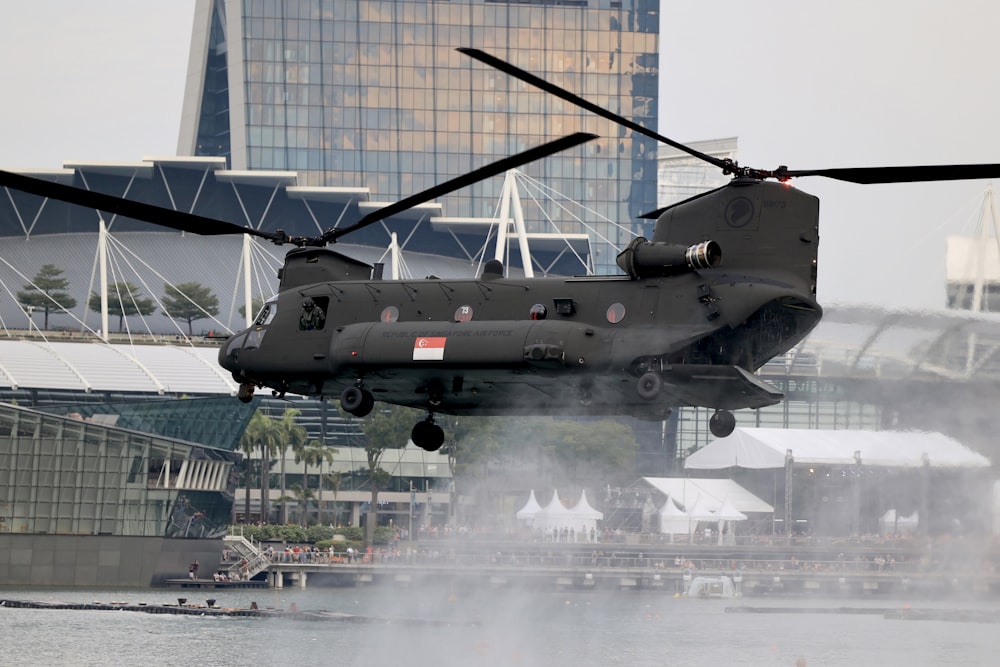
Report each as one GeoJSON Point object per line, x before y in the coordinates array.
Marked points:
{"type": "Point", "coordinates": [252, 558]}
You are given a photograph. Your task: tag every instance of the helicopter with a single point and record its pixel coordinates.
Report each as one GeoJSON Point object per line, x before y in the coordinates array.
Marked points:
{"type": "Point", "coordinates": [726, 283]}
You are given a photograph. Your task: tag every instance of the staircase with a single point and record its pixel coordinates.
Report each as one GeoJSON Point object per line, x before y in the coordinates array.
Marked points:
{"type": "Point", "coordinates": [256, 557]}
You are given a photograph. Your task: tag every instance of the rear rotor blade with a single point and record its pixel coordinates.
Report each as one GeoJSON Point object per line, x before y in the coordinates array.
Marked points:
{"type": "Point", "coordinates": [473, 176]}
{"type": "Point", "coordinates": [157, 215]}
{"type": "Point", "coordinates": [915, 174]}
{"type": "Point", "coordinates": [553, 89]}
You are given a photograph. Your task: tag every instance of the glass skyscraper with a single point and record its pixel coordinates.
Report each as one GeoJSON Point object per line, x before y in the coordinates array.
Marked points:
{"type": "Point", "coordinates": [372, 94]}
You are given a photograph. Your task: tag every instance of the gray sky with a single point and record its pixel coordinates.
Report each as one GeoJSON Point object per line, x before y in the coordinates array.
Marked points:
{"type": "Point", "coordinates": [807, 84]}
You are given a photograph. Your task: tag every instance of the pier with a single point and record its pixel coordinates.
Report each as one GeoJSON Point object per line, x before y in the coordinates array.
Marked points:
{"type": "Point", "coordinates": [670, 580]}
{"type": "Point", "coordinates": [816, 568]}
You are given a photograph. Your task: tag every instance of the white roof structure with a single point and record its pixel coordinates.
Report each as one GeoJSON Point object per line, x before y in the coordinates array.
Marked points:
{"type": "Point", "coordinates": [97, 366]}
{"type": "Point", "coordinates": [763, 448]}
{"type": "Point", "coordinates": [713, 492]}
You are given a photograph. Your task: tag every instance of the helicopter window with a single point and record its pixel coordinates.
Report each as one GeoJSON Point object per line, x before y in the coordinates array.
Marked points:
{"type": "Point", "coordinates": [254, 338]}
{"type": "Point", "coordinates": [463, 313]}
{"type": "Point", "coordinates": [616, 313]}
{"type": "Point", "coordinates": [565, 306]}
{"type": "Point", "coordinates": [313, 314]}
{"type": "Point", "coordinates": [538, 312]}
{"type": "Point", "coordinates": [266, 314]}
{"type": "Point", "coordinates": [390, 314]}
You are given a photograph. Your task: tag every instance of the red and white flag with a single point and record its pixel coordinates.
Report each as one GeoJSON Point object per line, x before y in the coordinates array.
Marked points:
{"type": "Point", "coordinates": [429, 349]}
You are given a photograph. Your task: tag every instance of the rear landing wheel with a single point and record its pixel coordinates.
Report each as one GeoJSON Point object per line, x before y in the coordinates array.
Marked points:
{"type": "Point", "coordinates": [722, 423]}
{"type": "Point", "coordinates": [649, 385]}
{"type": "Point", "coordinates": [427, 435]}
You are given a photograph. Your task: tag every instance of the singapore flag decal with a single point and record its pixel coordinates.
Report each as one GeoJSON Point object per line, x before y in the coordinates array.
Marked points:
{"type": "Point", "coordinates": [429, 349]}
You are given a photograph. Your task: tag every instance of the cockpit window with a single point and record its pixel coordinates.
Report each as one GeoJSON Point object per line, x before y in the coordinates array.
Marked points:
{"type": "Point", "coordinates": [266, 313]}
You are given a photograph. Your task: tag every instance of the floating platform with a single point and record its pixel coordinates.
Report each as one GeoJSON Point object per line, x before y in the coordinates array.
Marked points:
{"type": "Point", "coordinates": [291, 613]}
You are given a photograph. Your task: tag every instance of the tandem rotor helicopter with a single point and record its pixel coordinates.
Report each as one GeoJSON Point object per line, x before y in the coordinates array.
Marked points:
{"type": "Point", "coordinates": [727, 282]}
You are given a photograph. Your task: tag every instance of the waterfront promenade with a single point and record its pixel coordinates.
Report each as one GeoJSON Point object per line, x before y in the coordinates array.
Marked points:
{"type": "Point", "coordinates": [778, 569]}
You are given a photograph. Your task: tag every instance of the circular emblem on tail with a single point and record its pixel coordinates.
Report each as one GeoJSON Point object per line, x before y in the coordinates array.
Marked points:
{"type": "Point", "coordinates": [739, 212]}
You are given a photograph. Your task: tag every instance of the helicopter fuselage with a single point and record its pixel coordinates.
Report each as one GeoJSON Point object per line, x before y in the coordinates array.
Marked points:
{"type": "Point", "coordinates": [678, 330]}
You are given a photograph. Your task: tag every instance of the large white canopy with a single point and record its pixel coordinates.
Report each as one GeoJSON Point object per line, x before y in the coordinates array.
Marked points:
{"type": "Point", "coordinates": [712, 492]}
{"type": "Point", "coordinates": [766, 447]}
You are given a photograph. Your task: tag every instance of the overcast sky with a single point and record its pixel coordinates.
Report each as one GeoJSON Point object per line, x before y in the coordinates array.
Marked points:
{"type": "Point", "coordinates": [807, 84]}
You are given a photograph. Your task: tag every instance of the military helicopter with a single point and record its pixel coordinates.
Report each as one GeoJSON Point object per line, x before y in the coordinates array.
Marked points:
{"type": "Point", "coordinates": [727, 282]}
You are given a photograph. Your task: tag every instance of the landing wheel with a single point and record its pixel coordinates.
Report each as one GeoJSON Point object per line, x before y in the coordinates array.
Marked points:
{"type": "Point", "coordinates": [357, 401]}
{"type": "Point", "coordinates": [427, 435]}
{"type": "Point", "coordinates": [722, 423]}
{"type": "Point", "coordinates": [649, 385]}
{"type": "Point", "coordinates": [245, 392]}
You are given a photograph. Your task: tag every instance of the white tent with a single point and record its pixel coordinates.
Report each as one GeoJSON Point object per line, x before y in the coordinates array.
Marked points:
{"type": "Point", "coordinates": [767, 447]}
{"type": "Point", "coordinates": [673, 520]}
{"type": "Point", "coordinates": [530, 509]}
{"type": "Point", "coordinates": [890, 524]}
{"type": "Point", "coordinates": [714, 492]}
{"type": "Point", "coordinates": [729, 513]}
{"type": "Point", "coordinates": [584, 511]}
{"type": "Point", "coordinates": [555, 516]}
{"type": "Point", "coordinates": [726, 515]}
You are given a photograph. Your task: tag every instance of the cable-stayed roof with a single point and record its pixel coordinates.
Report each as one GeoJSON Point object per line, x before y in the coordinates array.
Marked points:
{"type": "Point", "coordinates": [96, 366]}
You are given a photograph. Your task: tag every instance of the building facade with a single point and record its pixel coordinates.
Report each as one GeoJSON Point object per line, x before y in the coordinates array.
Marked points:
{"type": "Point", "coordinates": [372, 94]}
{"type": "Point", "coordinates": [86, 504]}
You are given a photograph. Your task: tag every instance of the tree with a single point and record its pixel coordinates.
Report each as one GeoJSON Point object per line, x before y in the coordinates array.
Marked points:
{"type": "Point", "coordinates": [256, 303]}
{"type": "Point", "coordinates": [383, 429]}
{"type": "Point", "coordinates": [303, 495]}
{"type": "Point", "coordinates": [315, 454]}
{"type": "Point", "coordinates": [47, 292]}
{"type": "Point", "coordinates": [472, 440]}
{"type": "Point", "coordinates": [189, 302]}
{"type": "Point", "coordinates": [596, 450]}
{"type": "Point", "coordinates": [261, 433]}
{"type": "Point", "coordinates": [292, 436]}
{"type": "Point", "coordinates": [123, 301]}
{"type": "Point", "coordinates": [336, 480]}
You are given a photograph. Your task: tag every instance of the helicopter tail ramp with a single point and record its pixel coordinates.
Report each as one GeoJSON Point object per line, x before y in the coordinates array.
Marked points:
{"type": "Point", "coordinates": [721, 387]}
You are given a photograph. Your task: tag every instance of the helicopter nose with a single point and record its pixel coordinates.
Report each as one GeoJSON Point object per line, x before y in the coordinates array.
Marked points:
{"type": "Point", "coordinates": [228, 354]}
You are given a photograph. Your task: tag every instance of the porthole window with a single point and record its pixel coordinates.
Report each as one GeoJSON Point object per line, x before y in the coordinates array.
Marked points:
{"type": "Point", "coordinates": [463, 313]}
{"type": "Point", "coordinates": [616, 313]}
{"type": "Point", "coordinates": [390, 314]}
{"type": "Point", "coordinates": [538, 312]}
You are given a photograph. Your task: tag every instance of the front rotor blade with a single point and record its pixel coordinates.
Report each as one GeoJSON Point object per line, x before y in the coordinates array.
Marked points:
{"type": "Point", "coordinates": [916, 174]}
{"type": "Point", "coordinates": [553, 89]}
{"type": "Point", "coordinates": [157, 215]}
{"type": "Point", "coordinates": [473, 176]}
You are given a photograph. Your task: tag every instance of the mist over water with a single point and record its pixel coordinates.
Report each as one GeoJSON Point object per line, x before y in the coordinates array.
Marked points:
{"type": "Point", "coordinates": [487, 627]}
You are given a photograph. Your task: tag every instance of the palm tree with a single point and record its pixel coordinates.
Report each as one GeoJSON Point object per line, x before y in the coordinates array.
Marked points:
{"type": "Point", "coordinates": [315, 454]}
{"type": "Point", "coordinates": [247, 445]}
{"type": "Point", "coordinates": [270, 445]}
{"type": "Point", "coordinates": [294, 436]}
{"type": "Point", "coordinates": [336, 480]}
{"type": "Point", "coordinates": [302, 495]}
{"type": "Point", "coordinates": [261, 434]}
